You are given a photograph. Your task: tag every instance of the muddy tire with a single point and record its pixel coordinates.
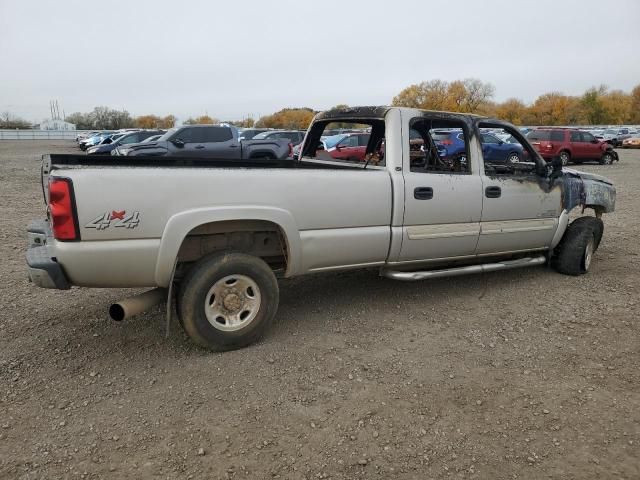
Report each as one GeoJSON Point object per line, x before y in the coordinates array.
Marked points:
{"type": "Point", "coordinates": [228, 301]}
{"type": "Point", "coordinates": [565, 157]}
{"type": "Point", "coordinates": [575, 251]}
{"type": "Point", "coordinates": [606, 158]}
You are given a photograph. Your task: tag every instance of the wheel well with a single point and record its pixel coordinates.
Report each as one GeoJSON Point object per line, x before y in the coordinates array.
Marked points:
{"type": "Point", "coordinates": [260, 238]}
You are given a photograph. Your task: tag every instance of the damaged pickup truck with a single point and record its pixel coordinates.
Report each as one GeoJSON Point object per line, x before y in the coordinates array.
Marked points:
{"type": "Point", "coordinates": [212, 236]}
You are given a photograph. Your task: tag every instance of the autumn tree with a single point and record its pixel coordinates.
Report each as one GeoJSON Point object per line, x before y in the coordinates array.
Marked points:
{"type": "Point", "coordinates": [201, 120]}
{"type": "Point", "coordinates": [512, 110]}
{"type": "Point", "coordinates": [592, 105]}
{"type": "Point", "coordinates": [294, 118]}
{"type": "Point", "coordinates": [154, 121]}
{"type": "Point", "coordinates": [634, 115]}
{"type": "Point", "coordinates": [617, 107]}
{"type": "Point", "coordinates": [469, 95]}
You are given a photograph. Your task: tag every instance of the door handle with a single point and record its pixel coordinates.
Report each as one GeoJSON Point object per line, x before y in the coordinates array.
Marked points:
{"type": "Point", "coordinates": [423, 193]}
{"type": "Point", "coordinates": [493, 192]}
{"type": "Point", "coordinates": [199, 147]}
{"type": "Point", "coordinates": [233, 146]}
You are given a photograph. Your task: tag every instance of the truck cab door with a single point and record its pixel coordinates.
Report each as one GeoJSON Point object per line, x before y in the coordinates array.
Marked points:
{"type": "Point", "coordinates": [217, 142]}
{"type": "Point", "coordinates": [518, 212]}
{"type": "Point", "coordinates": [443, 195]}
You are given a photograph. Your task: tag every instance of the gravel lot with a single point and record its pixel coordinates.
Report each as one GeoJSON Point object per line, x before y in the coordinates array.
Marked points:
{"type": "Point", "coordinates": [519, 374]}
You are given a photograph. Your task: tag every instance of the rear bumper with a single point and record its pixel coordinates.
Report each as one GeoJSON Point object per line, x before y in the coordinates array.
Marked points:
{"type": "Point", "coordinates": [43, 270]}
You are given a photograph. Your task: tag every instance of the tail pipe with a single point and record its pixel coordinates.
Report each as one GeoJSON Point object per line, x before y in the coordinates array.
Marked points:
{"type": "Point", "coordinates": [137, 304]}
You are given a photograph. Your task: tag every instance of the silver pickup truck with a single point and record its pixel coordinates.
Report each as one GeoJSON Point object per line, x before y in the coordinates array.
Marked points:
{"type": "Point", "coordinates": [426, 198]}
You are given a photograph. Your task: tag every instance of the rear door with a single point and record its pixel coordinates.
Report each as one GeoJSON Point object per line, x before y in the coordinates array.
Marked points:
{"type": "Point", "coordinates": [577, 144]}
{"type": "Point", "coordinates": [443, 196]}
{"type": "Point", "coordinates": [216, 142]}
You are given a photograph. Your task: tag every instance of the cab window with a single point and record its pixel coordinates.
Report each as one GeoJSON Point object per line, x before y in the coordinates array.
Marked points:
{"type": "Point", "coordinates": [438, 146]}
{"type": "Point", "coordinates": [503, 150]}
{"type": "Point", "coordinates": [358, 143]}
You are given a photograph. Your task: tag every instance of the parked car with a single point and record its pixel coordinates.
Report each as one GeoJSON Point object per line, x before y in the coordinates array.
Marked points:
{"type": "Point", "coordinates": [496, 150]}
{"type": "Point", "coordinates": [615, 136]}
{"type": "Point", "coordinates": [94, 140]}
{"type": "Point", "coordinates": [571, 145]}
{"type": "Point", "coordinates": [210, 141]}
{"type": "Point", "coordinates": [294, 137]}
{"type": "Point", "coordinates": [212, 238]}
{"type": "Point", "coordinates": [450, 143]}
{"type": "Point", "coordinates": [83, 135]}
{"type": "Point", "coordinates": [111, 143]}
{"type": "Point", "coordinates": [347, 146]}
{"type": "Point", "coordinates": [631, 142]}
{"type": "Point", "coordinates": [249, 133]}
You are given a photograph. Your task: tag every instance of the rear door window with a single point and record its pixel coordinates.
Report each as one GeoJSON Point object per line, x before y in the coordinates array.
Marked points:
{"type": "Point", "coordinates": [213, 134]}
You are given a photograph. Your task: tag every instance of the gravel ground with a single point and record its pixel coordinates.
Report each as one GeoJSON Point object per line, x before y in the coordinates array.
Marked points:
{"type": "Point", "coordinates": [519, 374]}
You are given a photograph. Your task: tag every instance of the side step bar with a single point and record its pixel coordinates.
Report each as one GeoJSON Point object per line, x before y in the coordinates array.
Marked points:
{"type": "Point", "coordinates": [454, 272]}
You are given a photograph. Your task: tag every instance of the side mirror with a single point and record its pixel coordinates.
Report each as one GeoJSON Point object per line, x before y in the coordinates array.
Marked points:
{"type": "Point", "coordinates": [338, 148]}
{"type": "Point", "coordinates": [178, 142]}
{"type": "Point", "coordinates": [107, 141]}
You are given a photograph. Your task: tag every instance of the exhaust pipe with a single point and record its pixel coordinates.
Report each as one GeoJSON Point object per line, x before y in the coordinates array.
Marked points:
{"type": "Point", "coordinates": [137, 304]}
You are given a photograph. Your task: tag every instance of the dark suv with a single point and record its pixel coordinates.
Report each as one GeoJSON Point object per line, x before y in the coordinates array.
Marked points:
{"type": "Point", "coordinates": [571, 145]}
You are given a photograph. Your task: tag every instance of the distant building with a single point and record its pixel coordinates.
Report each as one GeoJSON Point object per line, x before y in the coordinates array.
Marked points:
{"type": "Point", "coordinates": [56, 125]}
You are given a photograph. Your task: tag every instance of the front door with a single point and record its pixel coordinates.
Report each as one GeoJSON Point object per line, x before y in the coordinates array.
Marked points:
{"type": "Point", "coordinates": [443, 196]}
{"type": "Point", "coordinates": [517, 213]}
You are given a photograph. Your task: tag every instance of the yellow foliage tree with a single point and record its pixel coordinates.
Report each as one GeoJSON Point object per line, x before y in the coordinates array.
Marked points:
{"type": "Point", "coordinates": [201, 120]}
{"type": "Point", "coordinates": [153, 121]}
{"type": "Point", "coordinates": [469, 95]}
{"type": "Point", "coordinates": [294, 118]}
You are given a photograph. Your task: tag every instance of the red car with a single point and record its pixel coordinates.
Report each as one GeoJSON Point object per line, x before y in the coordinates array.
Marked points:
{"type": "Point", "coordinates": [347, 146]}
{"type": "Point", "coordinates": [571, 145]}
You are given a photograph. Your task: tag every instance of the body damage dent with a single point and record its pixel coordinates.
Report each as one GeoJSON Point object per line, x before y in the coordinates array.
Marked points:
{"type": "Point", "coordinates": [587, 190]}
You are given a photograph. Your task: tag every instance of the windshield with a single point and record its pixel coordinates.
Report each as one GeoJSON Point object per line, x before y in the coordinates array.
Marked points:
{"type": "Point", "coordinates": [333, 140]}
{"type": "Point", "coordinates": [610, 132]}
{"type": "Point", "coordinates": [261, 136]}
{"type": "Point", "coordinates": [167, 135]}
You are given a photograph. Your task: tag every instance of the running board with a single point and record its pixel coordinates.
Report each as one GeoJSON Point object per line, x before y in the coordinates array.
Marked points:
{"type": "Point", "coordinates": [454, 272]}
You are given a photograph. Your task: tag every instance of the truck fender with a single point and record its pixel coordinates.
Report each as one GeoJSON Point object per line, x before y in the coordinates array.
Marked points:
{"type": "Point", "coordinates": [563, 222]}
{"type": "Point", "coordinates": [179, 226]}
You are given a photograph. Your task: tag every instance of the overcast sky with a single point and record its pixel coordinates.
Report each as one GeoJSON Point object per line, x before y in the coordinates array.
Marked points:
{"type": "Point", "coordinates": [232, 59]}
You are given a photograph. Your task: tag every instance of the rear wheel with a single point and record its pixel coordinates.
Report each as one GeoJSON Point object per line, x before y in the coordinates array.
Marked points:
{"type": "Point", "coordinates": [228, 301]}
{"type": "Point", "coordinates": [574, 254]}
{"type": "Point", "coordinates": [513, 157]}
{"type": "Point", "coordinates": [606, 159]}
{"type": "Point", "coordinates": [565, 158]}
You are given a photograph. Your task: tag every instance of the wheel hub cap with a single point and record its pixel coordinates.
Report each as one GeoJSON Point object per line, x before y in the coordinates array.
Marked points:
{"type": "Point", "coordinates": [232, 302]}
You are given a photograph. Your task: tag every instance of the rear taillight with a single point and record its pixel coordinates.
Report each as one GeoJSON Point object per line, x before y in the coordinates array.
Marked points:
{"type": "Point", "coordinates": [446, 142]}
{"type": "Point", "coordinates": [62, 209]}
{"type": "Point", "coordinates": [548, 146]}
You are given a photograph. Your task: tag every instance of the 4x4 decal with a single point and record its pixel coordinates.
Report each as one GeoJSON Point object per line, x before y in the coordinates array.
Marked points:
{"type": "Point", "coordinates": [115, 218]}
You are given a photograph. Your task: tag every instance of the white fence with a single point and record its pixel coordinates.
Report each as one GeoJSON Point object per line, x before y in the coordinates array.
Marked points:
{"type": "Point", "coordinates": [39, 134]}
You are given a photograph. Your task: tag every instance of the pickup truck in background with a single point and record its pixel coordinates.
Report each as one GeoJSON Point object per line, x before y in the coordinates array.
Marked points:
{"type": "Point", "coordinates": [210, 141]}
{"type": "Point", "coordinates": [212, 236]}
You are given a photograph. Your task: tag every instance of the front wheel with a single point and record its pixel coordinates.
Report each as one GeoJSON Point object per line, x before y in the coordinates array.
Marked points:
{"type": "Point", "coordinates": [228, 301]}
{"type": "Point", "coordinates": [606, 159]}
{"type": "Point", "coordinates": [565, 158]}
{"type": "Point", "coordinates": [575, 251]}
{"type": "Point", "coordinates": [513, 158]}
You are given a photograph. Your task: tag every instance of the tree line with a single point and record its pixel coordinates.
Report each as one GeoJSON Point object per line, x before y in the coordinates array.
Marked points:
{"type": "Point", "coordinates": [596, 106]}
